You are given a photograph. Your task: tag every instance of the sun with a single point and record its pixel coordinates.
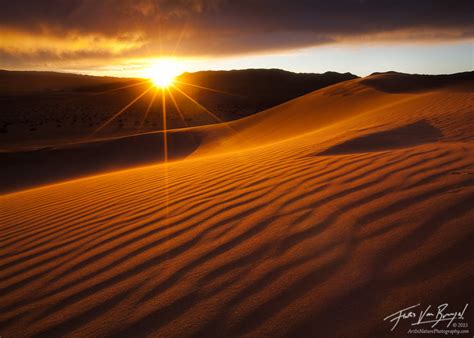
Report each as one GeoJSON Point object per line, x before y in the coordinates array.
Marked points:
{"type": "Point", "coordinates": [163, 73]}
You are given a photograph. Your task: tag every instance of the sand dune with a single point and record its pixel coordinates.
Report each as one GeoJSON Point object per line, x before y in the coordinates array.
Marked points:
{"type": "Point", "coordinates": [334, 108]}
{"type": "Point", "coordinates": [349, 204]}
{"type": "Point", "coordinates": [353, 105]}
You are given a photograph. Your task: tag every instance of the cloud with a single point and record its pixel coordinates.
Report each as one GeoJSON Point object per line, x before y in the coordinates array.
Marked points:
{"type": "Point", "coordinates": [51, 30]}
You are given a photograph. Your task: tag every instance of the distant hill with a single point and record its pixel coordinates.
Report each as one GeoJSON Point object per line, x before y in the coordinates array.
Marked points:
{"type": "Point", "coordinates": [257, 85]}
{"type": "Point", "coordinates": [29, 82]}
{"type": "Point", "coordinates": [394, 82]}
{"type": "Point", "coordinates": [258, 89]}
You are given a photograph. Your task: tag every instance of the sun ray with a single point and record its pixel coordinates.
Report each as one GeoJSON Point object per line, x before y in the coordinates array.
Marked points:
{"type": "Point", "coordinates": [120, 88]}
{"type": "Point", "coordinates": [180, 113]}
{"type": "Point", "coordinates": [199, 105]}
{"type": "Point", "coordinates": [178, 42]}
{"type": "Point", "coordinates": [120, 111]}
{"type": "Point", "coordinates": [165, 151]}
{"type": "Point", "coordinates": [207, 88]}
{"type": "Point", "coordinates": [148, 109]}
{"type": "Point", "coordinates": [222, 123]}
{"type": "Point", "coordinates": [165, 138]}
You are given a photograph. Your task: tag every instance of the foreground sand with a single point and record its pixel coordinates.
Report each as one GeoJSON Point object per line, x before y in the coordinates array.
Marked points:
{"type": "Point", "coordinates": [343, 221]}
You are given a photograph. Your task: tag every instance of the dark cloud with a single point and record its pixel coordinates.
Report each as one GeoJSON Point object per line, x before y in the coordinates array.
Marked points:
{"type": "Point", "coordinates": [216, 27]}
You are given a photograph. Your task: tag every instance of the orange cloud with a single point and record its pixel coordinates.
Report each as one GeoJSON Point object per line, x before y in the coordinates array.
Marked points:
{"type": "Point", "coordinates": [77, 30]}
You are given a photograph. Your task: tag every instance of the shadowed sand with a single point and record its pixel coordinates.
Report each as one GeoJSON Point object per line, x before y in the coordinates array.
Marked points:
{"type": "Point", "coordinates": [97, 156]}
{"type": "Point", "coordinates": [349, 204]}
{"type": "Point", "coordinates": [401, 137]}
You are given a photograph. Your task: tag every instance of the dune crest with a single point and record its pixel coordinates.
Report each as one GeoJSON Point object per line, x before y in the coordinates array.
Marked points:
{"type": "Point", "coordinates": [350, 105]}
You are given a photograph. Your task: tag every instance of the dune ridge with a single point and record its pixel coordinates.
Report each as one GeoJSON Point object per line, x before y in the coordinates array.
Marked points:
{"type": "Point", "coordinates": [306, 229]}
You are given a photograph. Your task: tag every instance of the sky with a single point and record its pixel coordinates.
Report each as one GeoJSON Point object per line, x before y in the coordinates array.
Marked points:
{"type": "Point", "coordinates": [126, 37]}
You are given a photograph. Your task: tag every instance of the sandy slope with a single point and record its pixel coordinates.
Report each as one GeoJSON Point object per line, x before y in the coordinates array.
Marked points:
{"type": "Point", "coordinates": [325, 226]}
